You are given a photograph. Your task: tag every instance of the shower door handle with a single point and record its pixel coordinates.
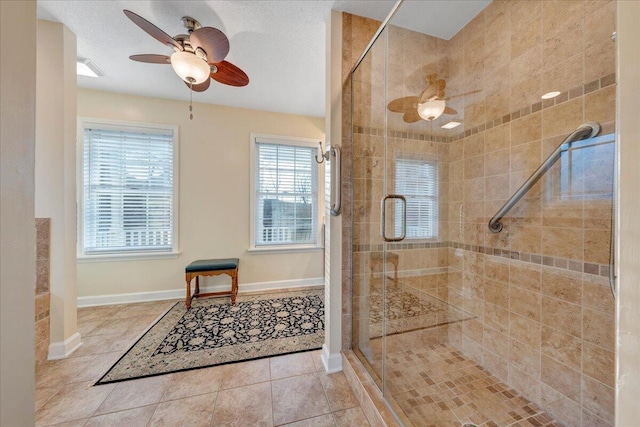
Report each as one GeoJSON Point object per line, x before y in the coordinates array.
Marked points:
{"type": "Point", "coordinates": [383, 214]}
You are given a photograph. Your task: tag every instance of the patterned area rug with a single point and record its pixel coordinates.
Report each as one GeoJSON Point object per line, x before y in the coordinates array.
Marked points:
{"type": "Point", "coordinates": [214, 332]}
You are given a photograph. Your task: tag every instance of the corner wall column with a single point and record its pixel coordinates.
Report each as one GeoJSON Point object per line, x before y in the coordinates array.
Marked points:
{"type": "Point", "coordinates": [331, 357]}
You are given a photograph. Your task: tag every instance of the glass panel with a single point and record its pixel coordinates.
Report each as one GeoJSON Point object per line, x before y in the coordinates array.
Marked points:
{"type": "Point", "coordinates": [472, 320]}
{"type": "Point", "coordinates": [368, 85]}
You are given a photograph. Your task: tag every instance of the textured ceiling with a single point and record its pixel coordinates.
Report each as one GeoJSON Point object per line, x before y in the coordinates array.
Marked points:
{"type": "Point", "coordinates": [279, 44]}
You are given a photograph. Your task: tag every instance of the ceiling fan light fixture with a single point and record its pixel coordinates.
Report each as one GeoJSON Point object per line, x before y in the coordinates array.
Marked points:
{"type": "Point", "coordinates": [189, 67]}
{"type": "Point", "coordinates": [431, 110]}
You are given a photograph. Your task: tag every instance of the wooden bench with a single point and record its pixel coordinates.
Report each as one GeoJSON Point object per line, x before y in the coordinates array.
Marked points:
{"type": "Point", "coordinates": [212, 267]}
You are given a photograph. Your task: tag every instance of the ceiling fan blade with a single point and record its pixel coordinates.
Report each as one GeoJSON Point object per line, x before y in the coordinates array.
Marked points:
{"type": "Point", "coordinates": [463, 94]}
{"type": "Point", "coordinates": [201, 87]}
{"type": "Point", "coordinates": [152, 59]}
{"type": "Point", "coordinates": [411, 116]}
{"type": "Point", "coordinates": [229, 74]}
{"type": "Point", "coordinates": [212, 41]}
{"type": "Point", "coordinates": [449, 110]}
{"type": "Point", "coordinates": [152, 30]}
{"type": "Point", "coordinates": [402, 105]}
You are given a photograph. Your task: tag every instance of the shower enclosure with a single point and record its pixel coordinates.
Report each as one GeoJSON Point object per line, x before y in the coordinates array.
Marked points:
{"type": "Point", "coordinates": [457, 323]}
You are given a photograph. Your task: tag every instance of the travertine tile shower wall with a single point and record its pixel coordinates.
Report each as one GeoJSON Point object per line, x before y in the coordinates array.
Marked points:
{"type": "Point", "coordinates": [544, 312]}
{"type": "Point", "coordinates": [42, 296]}
{"type": "Point", "coordinates": [356, 33]}
{"type": "Point", "coordinates": [544, 316]}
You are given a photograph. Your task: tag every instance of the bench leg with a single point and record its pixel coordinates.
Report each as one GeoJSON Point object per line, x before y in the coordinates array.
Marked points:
{"type": "Point", "coordinates": [197, 285]}
{"type": "Point", "coordinates": [188, 299]}
{"type": "Point", "coordinates": [234, 287]}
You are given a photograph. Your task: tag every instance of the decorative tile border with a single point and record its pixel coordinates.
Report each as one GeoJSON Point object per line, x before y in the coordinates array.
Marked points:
{"type": "Point", "coordinates": [366, 130]}
{"type": "Point", "coordinates": [539, 106]}
{"type": "Point", "coordinates": [529, 109]}
{"type": "Point", "coordinates": [562, 263]}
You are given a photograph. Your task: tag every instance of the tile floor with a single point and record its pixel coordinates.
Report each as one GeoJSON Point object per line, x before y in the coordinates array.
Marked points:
{"type": "Point", "coordinates": [438, 386]}
{"type": "Point", "coordinates": [290, 390]}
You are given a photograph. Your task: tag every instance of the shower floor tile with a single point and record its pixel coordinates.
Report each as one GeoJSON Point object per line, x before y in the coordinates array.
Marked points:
{"type": "Point", "coordinates": [439, 386]}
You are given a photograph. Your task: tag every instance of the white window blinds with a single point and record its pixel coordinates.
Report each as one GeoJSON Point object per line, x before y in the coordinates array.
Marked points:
{"type": "Point", "coordinates": [417, 181]}
{"type": "Point", "coordinates": [128, 190]}
{"type": "Point", "coordinates": [286, 195]}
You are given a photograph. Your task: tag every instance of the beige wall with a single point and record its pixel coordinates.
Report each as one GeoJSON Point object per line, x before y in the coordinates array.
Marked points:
{"type": "Point", "coordinates": [55, 190]}
{"type": "Point", "coordinates": [628, 248]}
{"type": "Point", "coordinates": [213, 193]}
{"type": "Point", "coordinates": [17, 225]}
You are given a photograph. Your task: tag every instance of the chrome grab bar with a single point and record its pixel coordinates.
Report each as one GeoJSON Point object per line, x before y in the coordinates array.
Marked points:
{"type": "Point", "coordinates": [335, 202]}
{"type": "Point", "coordinates": [584, 131]}
{"type": "Point", "coordinates": [336, 179]}
{"type": "Point", "coordinates": [383, 222]}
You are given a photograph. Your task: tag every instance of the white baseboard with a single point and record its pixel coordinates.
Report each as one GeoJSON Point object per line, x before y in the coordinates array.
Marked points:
{"type": "Point", "coordinates": [332, 362]}
{"type": "Point", "coordinates": [62, 350]}
{"type": "Point", "coordinates": [91, 301]}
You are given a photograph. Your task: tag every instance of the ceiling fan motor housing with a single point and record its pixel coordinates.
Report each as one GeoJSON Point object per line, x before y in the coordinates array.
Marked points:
{"type": "Point", "coordinates": [191, 24]}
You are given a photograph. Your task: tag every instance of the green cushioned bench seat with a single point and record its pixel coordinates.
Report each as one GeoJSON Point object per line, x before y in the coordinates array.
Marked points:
{"type": "Point", "coordinates": [212, 264]}
{"type": "Point", "coordinates": [212, 267]}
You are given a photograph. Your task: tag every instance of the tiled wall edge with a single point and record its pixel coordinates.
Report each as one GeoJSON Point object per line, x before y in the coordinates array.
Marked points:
{"type": "Point", "coordinates": [562, 263]}
{"type": "Point", "coordinates": [570, 94]}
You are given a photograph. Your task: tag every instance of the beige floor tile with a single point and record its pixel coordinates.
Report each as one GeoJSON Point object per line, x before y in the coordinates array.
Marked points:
{"type": "Point", "coordinates": [353, 417]}
{"type": "Point", "coordinates": [316, 355]}
{"type": "Point", "coordinates": [134, 393]}
{"type": "Point", "coordinates": [193, 383]}
{"type": "Point", "coordinates": [60, 372]}
{"type": "Point", "coordinates": [124, 342]}
{"type": "Point", "coordinates": [86, 328]}
{"type": "Point", "coordinates": [155, 308]}
{"type": "Point", "coordinates": [43, 394]}
{"type": "Point", "coordinates": [338, 391]}
{"type": "Point", "coordinates": [245, 373]}
{"type": "Point", "coordinates": [195, 411]}
{"type": "Point", "coordinates": [76, 423]}
{"type": "Point", "coordinates": [130, 325]}
{"type": "Point", "coordinates": [138, 417]}
{"type": "Point", "coordinates": [321, 421]}
{"type": "Point", "coordinates": [290, 365]}
{"type": "Point", "coordinates": [94, 345]}
{"type": "Point", "coordinates": [98, 313]}
{"type": "Point", "coordinates": [298, 398]}
{"type": "Point", "coordinates": [73, 402]}
{"type": "Point", "coordinates": [244, 406]}
{"type": "Point", "coordinates": [98, 366]}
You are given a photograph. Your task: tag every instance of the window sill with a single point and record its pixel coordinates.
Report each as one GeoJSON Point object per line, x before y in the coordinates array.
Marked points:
{"type": "Point", "coordinates": [284, 249]}
{"type": "Point", "coordinates": [127, 256]}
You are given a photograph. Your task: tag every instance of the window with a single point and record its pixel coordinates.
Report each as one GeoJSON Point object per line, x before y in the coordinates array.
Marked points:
{"type": "Point", "coordinates": [417, 181]}
{"type": "Point", "coordinates": [584, 171]}
{"type": "Point", "coordinates": [129, 189]}
{"type": "Point", "coordinates": [284, 193]}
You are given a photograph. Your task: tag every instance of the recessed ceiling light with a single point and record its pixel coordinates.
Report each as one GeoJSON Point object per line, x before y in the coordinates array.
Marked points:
{"type": "Point", "coordinates": [550, 95]}
{"type": "Point", "coordinates": [84, 67]}
{"type": "Point", "coordinates": [452, 124]}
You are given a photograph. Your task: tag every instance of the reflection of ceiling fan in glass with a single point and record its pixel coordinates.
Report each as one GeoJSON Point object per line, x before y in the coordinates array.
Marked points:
{"type": "Point", "coordinates": [198, 56]}
{"type": "Point", "coordinates": [430, 105]}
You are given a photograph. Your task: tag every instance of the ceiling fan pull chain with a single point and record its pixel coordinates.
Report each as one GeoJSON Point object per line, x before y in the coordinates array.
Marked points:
{"type": "Point", "coordinates": [191, 101]}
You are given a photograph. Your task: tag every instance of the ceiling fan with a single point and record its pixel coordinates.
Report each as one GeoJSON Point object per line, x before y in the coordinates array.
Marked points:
{"type": "Point", "coordinates": [430, 105]}
{"type": "Point", "coordinates": [198, 56]}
